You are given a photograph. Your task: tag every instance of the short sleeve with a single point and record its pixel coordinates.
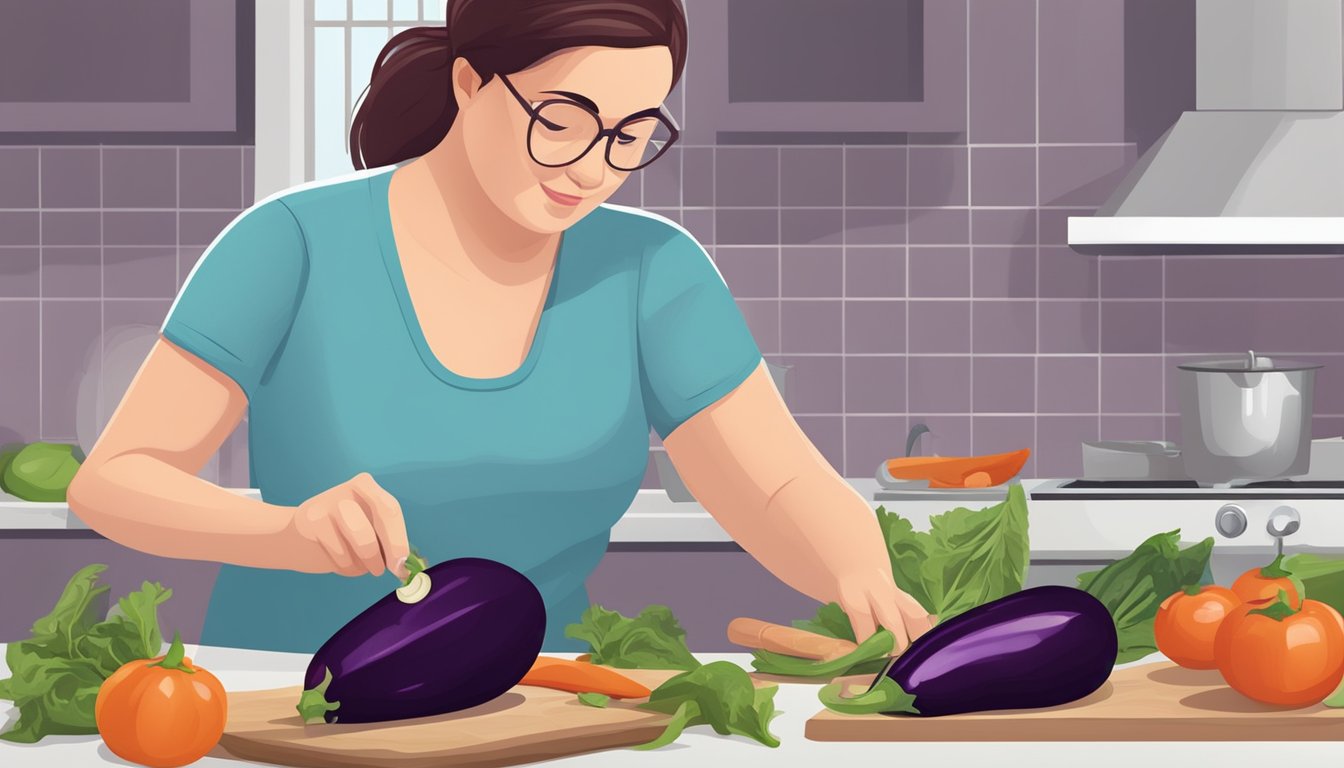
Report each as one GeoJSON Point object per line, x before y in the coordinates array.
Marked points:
{"type": "Point", "coordinates": [694, 344]}
{"type": "Point", "coordinates": [241, 299]}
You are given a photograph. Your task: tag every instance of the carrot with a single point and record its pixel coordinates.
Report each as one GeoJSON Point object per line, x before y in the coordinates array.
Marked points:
{"type": "Point", "coordinates": [582, 677]}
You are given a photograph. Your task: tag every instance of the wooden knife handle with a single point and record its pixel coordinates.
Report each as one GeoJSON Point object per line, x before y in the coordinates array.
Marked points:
{"type": "Point", "coordinates": [754, 633]}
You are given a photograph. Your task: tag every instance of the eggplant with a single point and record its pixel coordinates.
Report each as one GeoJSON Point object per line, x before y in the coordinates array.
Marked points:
{"type": "Point", "coordinates": [1041, 647]}
{"type": "Point", "coordinates": [457, 635]}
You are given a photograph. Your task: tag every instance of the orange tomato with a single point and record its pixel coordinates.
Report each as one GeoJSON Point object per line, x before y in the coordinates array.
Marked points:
{"type": "Point", "coordinates": [1277, 654]}
{"type": "Point", "coordinates": [1187, 624]}
{"type": "Point", "coordinates": [1265, 583]}
{"type": "Point", "coordinates": [162, 712]}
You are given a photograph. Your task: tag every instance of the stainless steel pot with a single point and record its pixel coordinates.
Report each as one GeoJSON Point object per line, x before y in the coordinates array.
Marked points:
{"type": "Point", "coordinates": [1246, 419]}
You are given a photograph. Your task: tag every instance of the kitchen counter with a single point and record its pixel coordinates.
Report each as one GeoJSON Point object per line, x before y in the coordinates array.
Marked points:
{"type": "Point", "coordinates": [243, 670]}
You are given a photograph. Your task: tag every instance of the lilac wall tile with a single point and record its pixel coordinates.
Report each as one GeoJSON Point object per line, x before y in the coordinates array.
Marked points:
{"type": "Point", "coordinates": [875, 176]}
{"type": "Point", "coordinates": [187, 256]}
{"type": "Point", "coordinates": [939, 226]}
{"type": "Point", "coordinates": [69, 333]}
{"type": "Point", "coordinates": [1270, 277]}
{"type": "Point", "coordinates": [72, 271]}
{"type": "Point", "coordinates": [1003, 71]}
{"type": "Point", "coordinates": [762, 317]}
{"type": "Point", "coordinates": [1268, 327]}
{"type": "Point", "coordinates": [19, 227]}
{"type": "Point", "coordinates": [250, 175]}
{"type": "Point", "coordinates": [697, 176]}
{"type": "Point", "coordinates": [1126, 278]}
{"type": "Point", "coordinates": [871, 440]}
{"type": "Point", "coordinates": [1132, 384]}
{"type": "Point", "coordinates": [20, 269]}
{"type": "Point", "coordinates": [938, 176]}
{"type": "Point", "coordinates": [18, 177]}
{"type": "Point", "coordinates": [140, 228]}
{"type": "Point", "coordinates": [875, 226]}
{"type": "Point", "coordinates": [1066, 274]}
{"type": "Point", "coordinates": [72, 228]}
{"type": "Point", "coordinates": [1327, 426]}
{"type": "Point", "coordinates": [950, 435]}
{"type": "Point", "coordinates": [940, 272]}
{"type": "Point", "coordinates": [1082, 70]}
{"type": "Point", "coordinates": [1003, 227]}
{"type": "Point", "coordinates": [746, 227]}
{"type": "Point", "coordinates": [939, 384]}
{"type": "Point", "coordinates": [811, 226]}
{"type": "Point", "coordinates": [810, 325]}
{"type": "Point", "coordinates": [1004, 272]}
{"type": "Point", "coordinates": [628, 193]}
{"type": "Point", "coordinates": [671, 214]}
{"type": "Point", "coordinates": [140, 177]}
{"type": "Point", "coordinates": [1007, 327]}
{"type": "Point", "coordinates": [811, 176]}
{"type": "Point", "coordinates": [751, 272]}
{"type": "Point", "coordinates": [1132, 427]}
{"type": "Point", "coordinates": [874, 326]}
{"type": "Point", "coordinates": [70, 177]}
{"type": "Point", "coordinates": [149, 312]}
{"type": "Point", "coordinates": [19, 387]}
{"type": "Point", "coordinates": [700, 223]}
{"type": "Point", "coordinates": [662, 180]}
{"type": "Point", "coordinates": [1059, 444]}
{"type": "Point", "coordinates": [1131, 327]}
{"type": "Point", "coordinates": [1003, 384]}
{"type": "Point", "coordinates": [874, 384]}
{"type": "Point", "coordinates": [1083, 175]}
{"type": "Point", "coordinates": [1069, 327]}
{"type": "Point", "coordinates": [877, 271]}
{"type": "Point", "coordinates": [140, 271]}
{"type": "Point", "coordinates": [1003, 176]}
{"type": "Point", "coordinates": [815, 383]}
{"type": "Point", "coordinates": [1054, 224]}
{"type": "Point", "coordinates": [827, 434]}
{"type": "Point", "coordinates": [1001, 434]}
{"type": "Point", "coordinates": [746, 176]}
{"type": "Point", "coordinates": [1329, 389]}
{"type": "Point", "coordinates": [1067, 384]}
{"type": "Point", "coordinates": [201, 227]}
{"type": "Point", "coordinates": [812, 271]}
{"type": "Point", "coordinates": [1172, 424]}
{"type": "Point", "coordinates": [940, 327]}
{"type": "Point", "coordinates": [211, 177]}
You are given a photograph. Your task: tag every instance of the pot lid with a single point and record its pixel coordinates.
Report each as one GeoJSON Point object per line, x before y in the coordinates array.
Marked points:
{"type": "Point", "coordinates": [1250, 363]}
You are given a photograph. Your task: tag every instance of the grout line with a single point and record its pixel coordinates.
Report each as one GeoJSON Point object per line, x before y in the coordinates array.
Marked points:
{"type": "Point", "coordinates": [970, 227]}
{"type": "Point", "coordinates": [102, 293]}
{"type": "Point", "coordinates": [1036, 112]}
{"type": "Point", "coordinates": [41, 293]}
{"type": "Point", "coordinates": [845, 469]}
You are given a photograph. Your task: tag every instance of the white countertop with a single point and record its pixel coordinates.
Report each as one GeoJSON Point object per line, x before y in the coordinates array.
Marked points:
{"type": "Point", "coordinates": [244, 670]}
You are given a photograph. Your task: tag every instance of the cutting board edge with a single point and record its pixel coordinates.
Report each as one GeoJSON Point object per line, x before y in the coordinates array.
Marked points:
{"type": "Point", "coordinates": [1094, 730]}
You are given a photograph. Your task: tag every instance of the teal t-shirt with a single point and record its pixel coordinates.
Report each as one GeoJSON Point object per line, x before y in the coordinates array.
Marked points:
{"type": "Point", "coordinates": [302, 302]}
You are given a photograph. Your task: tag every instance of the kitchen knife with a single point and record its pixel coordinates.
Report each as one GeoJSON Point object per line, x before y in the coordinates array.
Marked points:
{"type": "Point", "coordinates": [790, 641]}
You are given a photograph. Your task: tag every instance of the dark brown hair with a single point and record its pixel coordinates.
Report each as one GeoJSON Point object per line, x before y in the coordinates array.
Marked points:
{"type": "Point", "coordinates": [409, 106]}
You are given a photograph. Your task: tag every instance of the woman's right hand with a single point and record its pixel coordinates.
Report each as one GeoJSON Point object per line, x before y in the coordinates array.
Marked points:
{"type": "Point", "coordinates": [352, 529]}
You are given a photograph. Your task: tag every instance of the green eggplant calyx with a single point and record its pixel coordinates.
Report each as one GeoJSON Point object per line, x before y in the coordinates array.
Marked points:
{"type": "Point", "coordinates": [313, 705]}
{"type": "Point", "coordinates": [885, 697]}
{"type": "Point", "coordinates": [173, 659]}
{"type": "Point", "coordinates": [415, 564]}
{"type": "Point", "coordinates": [1278, 610]}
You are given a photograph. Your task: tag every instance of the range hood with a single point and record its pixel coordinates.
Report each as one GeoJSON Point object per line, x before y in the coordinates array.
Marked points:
{"type": "Point", "coordinates": [1258, 167]}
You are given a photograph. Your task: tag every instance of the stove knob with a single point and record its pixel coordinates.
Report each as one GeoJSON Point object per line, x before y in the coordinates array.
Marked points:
{"type": "Point", "coordinates": [1283, 521]}
{"type": "Point", "coordinates": [1230, 521]}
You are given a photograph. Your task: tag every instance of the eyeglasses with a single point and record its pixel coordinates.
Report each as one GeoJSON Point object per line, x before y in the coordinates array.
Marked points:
{"type": "Point", "coordinates": [563, 131]}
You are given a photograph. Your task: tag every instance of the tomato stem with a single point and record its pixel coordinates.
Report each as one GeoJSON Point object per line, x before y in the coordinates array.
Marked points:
{"type": "Point", "coordinates": [173, 659]}
{"type": "Point", "coordinates": [1278, 610]}
{"type": "Point", "coordinates": [1275, 570]}
{"type": "Point", "coordinates": [1192, 589]}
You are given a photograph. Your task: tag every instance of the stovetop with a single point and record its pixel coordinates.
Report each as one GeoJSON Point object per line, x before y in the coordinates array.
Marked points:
{"type": "Point", "coordinates": [1184, 490]}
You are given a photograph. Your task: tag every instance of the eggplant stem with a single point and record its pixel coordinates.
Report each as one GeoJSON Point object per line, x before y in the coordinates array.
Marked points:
{"type": "Point", "coordinates": [313, 705]}
{"type": "Point", "coordinates": [886, 696]}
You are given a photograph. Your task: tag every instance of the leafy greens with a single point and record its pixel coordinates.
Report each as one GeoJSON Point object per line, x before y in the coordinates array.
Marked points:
{"type": "Point", "coordinates": [651, 640]}
{"type": "Point", "coordinates": [719, 694]}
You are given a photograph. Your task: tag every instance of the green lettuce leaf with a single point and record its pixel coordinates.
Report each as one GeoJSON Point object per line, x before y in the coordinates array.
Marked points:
{"type": "Point", "coordinates": [651, 640]}
{"type": "Point", "coordinates": [719, 694]}
{"type": "Point", "coordinates": [871, 654]}
{"type": "Point", "coordinates": [594, 699]}
{"type": "Point", "coordinates": [830, 621]}
{"type": "Point", "coordinates": [976, 557]}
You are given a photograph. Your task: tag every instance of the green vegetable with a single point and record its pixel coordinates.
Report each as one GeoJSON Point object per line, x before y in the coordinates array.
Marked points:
{"type": "Point", "coordinates": [7, 454]}
{"type": "Point", "coordinates": [830, 621]}
{"type": "Point", "coordinates": [56, 672]}
{"type": "Point", "coordinates": [41, 472]}
{"type": "Point", "coordinates": [719, 694]}
{"type": "Point", "coordinates": [1321, 578]}
{"type": "Point", "coordinates": [873, 651]}
{"type": "Point", "coordinates": [594, 699]}
{"type": "Point", "coordinates": [1134, 587]}
{"type": "Point", "coordinates": [651, 640]}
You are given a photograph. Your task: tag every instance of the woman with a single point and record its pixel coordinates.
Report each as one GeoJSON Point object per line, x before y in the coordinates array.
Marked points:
{"type": "Point", "coordinates": [464, 349]}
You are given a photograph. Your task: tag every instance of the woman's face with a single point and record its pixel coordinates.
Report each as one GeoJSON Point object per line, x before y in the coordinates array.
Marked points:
{"type": "Point", "coordinates": [619, 81]}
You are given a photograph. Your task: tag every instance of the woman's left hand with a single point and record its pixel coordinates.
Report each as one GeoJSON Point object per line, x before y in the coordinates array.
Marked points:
{"type": "Point", "coordinates": [871, 598]}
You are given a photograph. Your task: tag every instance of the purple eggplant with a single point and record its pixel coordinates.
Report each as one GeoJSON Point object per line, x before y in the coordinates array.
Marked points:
{"type": "Point", "coordinates": [1041, 647]}
{"type": "Point", "coordinates": [471, 630]}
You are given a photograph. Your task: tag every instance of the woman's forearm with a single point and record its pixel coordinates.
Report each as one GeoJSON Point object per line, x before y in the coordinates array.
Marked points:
{"type": "Point", "coordinates": [149, 505]}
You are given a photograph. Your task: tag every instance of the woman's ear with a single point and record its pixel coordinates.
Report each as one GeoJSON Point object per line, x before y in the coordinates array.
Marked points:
{"type": "Point", "coordinates": [465, 81]}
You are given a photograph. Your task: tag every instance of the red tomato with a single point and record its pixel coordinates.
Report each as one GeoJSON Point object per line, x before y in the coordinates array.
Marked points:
{"type": "Point", "coordinates": [1273, 653]}
{"type": "Point", "coordinates": [1265, 583]}
{"type": "Point", "coordinates": [1187, 624]}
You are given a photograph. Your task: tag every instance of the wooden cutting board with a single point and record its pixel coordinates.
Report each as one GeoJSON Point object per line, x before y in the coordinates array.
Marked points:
{"type": "Point", "coordinates": [524, 725]}
{"type": "Point", "coordinates": [1152, 702]}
